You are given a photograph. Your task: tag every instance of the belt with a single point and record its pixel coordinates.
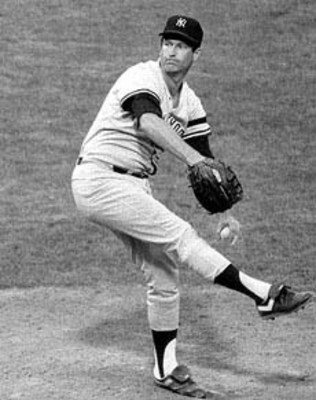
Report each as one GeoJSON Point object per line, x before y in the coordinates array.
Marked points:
{"type": "Point", "coordinates": [119, 170]}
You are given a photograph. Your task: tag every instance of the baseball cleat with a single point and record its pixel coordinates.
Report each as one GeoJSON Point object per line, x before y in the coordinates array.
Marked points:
{"type": "Point", "coordinates": [180, 381]}
{"type": "Point", "coordinates": [282, 301]}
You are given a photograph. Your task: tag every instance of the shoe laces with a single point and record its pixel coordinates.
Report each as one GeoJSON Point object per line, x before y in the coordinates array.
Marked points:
{"type": "Point", "coordinates": [279, 291]}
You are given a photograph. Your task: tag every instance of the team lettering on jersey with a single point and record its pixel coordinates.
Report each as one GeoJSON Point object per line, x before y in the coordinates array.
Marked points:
{"type": "Point", "coordinates": [175, 124]}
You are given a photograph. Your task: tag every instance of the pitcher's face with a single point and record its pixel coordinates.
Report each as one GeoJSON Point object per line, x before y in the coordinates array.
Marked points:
{"type": "Point", "coordinates": [176, 56]}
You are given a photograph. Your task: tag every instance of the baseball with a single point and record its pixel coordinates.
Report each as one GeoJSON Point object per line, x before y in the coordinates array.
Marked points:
{"type": "Point", "coordinates": [225, 233]}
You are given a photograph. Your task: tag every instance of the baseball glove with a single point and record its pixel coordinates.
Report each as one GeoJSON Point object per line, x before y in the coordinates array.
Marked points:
{"type": "Point", "coordinates": [215, 185]}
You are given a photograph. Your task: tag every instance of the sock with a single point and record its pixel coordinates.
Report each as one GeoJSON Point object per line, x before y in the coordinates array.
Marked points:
{"type": "Point", "coordinates": [234, 279]}
{"type": "Point", "coordinates": [165, 352]}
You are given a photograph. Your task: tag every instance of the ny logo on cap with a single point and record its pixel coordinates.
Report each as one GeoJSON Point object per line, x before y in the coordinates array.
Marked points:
{"type": "Point", "coordinates": [181, 22]}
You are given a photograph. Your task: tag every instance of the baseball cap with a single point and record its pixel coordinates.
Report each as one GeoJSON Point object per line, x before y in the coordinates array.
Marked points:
{"type": "Point", "coordinates": [183, 28]}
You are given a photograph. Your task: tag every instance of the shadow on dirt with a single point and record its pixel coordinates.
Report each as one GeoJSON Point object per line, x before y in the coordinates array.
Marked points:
{"type": "Point", "coordinates": [132, 334]}
{"type": "Point", "coordinates": [123, 332]}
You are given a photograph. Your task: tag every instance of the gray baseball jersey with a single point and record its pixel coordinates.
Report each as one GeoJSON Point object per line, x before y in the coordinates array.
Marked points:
{"type": "Point", "coordinates": [114, 137]}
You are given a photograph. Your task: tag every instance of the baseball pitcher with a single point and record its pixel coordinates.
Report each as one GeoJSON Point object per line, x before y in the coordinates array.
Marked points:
{"type": "Point", "coordinates": [151, 109]}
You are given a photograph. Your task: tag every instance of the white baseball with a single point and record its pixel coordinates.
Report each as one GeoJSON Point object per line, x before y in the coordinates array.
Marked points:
{"type": "Point", "coordinates": [225, 233]}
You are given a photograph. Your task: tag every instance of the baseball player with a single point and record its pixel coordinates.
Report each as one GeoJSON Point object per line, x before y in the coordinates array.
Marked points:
{"type": "Point", "coordinates": [151, 109]}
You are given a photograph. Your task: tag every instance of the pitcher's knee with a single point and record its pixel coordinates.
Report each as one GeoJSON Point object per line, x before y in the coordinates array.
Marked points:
{"type": "Point", "coordinates": [197, 254]}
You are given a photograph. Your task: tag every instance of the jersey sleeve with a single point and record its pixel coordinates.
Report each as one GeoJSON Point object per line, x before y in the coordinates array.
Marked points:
{"type": "Point", "coordinates": [201, 144]}
{"type": "Point", "coordinates": [137, 80]}
{"type": "Point", "coordinates": [197, 121]}
{"type": "Point", "coordinates": [142, 103]}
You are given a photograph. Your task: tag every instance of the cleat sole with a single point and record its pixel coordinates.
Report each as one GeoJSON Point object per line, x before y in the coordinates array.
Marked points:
{"type": "Point", "coordinates": [273, 316]}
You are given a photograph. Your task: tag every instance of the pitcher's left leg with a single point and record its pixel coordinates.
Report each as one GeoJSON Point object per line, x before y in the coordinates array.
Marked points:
{"type": "Point", "coordinates": [162, 277]}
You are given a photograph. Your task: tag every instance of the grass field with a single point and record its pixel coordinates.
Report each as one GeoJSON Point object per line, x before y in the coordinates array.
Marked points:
{"type": "Point", "coordinates": [67, 331]}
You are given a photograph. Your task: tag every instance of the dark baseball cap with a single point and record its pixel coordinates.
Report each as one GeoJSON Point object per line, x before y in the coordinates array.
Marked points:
{"type": "Point", "coordinates": [183, 28]}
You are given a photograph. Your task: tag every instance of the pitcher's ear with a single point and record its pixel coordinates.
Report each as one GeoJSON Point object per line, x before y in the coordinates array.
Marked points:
{"type": "Point", "coordinates": [196, 53]}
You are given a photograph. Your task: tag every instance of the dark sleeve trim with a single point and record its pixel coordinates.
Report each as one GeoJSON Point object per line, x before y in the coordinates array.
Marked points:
{"type": "Point", "coordinates": [201, 144]}
{"type": "Point", "coordinates": [197, 121]}
{"type": "Point", "coordinates": [142, 103]}
{"type": "Point", "coordinates": [139, 92]}
{"type": "Point", "coordinates": [203, 132]}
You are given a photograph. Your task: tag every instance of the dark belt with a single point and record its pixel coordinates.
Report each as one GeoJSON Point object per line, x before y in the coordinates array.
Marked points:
{"type": "Point", "coordinates": [120, 170]}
